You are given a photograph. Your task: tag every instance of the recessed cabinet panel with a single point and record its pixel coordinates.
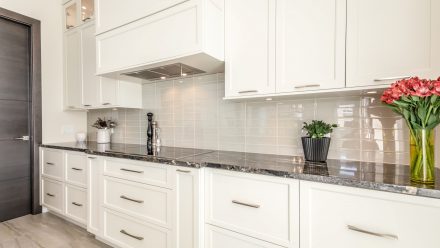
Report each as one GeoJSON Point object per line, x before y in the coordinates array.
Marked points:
{"type": "Point", "coordinates": [310, 45]}
{"type": "Point", "coordinates": [90, 82]}
{"type": "Point", "coordinates": [115, 13]}
{"type": "Point", "coordinates": [391, 39]}
{"type": "Point", "coordinates": [73, 69]}
{"type": "Point", "coordinates": [249, 47]}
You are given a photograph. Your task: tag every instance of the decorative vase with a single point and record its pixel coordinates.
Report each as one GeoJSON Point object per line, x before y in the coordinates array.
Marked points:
{"type": "Point", "coordinates": [422, 155]}
{"type": "Point", "coordinates": [315, 149]}
{"type": "Point", "coordinates": [103, 136]}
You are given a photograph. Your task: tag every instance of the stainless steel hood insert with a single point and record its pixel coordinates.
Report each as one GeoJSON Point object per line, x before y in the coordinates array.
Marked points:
{"type": "Point", "coordinates": [165, 72]}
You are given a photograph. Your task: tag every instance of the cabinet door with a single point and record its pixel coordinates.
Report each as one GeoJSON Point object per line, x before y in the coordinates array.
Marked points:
{"type": "Point", "coordinates": [391, 39]}
{"type": "Point", "coordinates": [344, 217]}
{"type": "Point", "coordinates": [187, 207]}
{"type": "Point", "coordinates": [93, 194]}
{"type": "Point", "coordinates": [71, 15]}
{"type": "Point", "coordinates": [90, 82]}
{"type": "Point", "coordinates": [87, 10]}
{"type": "Point", "coordinates": [108, 91]}
{"type": "Point", "coordinates": [310, 45]}
{"type": "Point", "coordinates": [249, 47]}
{"type": "Point", "coordinates": [115, 13]}
{"type": "Point", "coordinates": [73, 69]}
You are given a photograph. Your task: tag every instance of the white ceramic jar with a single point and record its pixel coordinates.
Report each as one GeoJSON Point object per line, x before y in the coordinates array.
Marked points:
{"type": "Point", "coordinates": [103, 136]}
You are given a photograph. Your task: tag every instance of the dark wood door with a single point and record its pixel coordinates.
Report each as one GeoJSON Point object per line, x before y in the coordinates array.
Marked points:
{"type": "Point", "coordinates": [15, 103]}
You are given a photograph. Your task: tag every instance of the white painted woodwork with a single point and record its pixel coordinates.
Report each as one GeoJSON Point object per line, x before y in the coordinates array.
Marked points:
{"type": "Point", "coordinates": [76, 203]}
{"type": "Point", "coordinates": [76, 169]}
{"type": "Point", "coordinates": [327, 210]}
{"type": "Point", "coordinates": [71, 15]}
{"type": "Point", "coordinates": [187, 208]}
{"type": "Point", "coordinates": [143, 172]}
{"type": "Point", "coordinates": [52, 164]}
{"type": "Point", "coordinates": [108, 91]}
{"type": "Point", "coordinates": [151, 235]}
{"type": "Point", "coordinates": [392, 38]}
{"type": "Point", "coordinates": [272, 213]}
{"type": "Point", "coordinates": [217, 237]}
{"type": "Point", "coordinates": [115, 13]}
{"type": "Point", "coordinates": [149, 203]}
{"type": "Point", "coordinates": [52, 195]}
{"type": "Point", "coordinates": [249, 47]}
{"type": "Point", "coordinates": [72, 69]}
{"type": "Point", "coordinates": [90, 82]}
{"type": "Point", "coordinates": [310, 48]}
{"type": "Point", "coordinates": [151, 41]}
{"type": "Point", "coordinates": [93, 194]}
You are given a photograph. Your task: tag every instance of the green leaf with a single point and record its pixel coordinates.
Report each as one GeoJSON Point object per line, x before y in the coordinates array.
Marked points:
{"type": "Point", "coordinates": [421, 112]}
{"type": "Point", "coordinates": [433, 99]}
{"type": "Point", "coordinates": [415, 125]}
{"type": "Point", "coordinates": [415, 98]}
{"type": "Point", "coordinates": [406, 114]}
{"type": "Point", "coordinates": [402, 104]}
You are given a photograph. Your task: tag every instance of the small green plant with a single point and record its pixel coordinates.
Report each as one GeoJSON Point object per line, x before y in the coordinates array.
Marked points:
{"type": "Point", "coordinates": [318, 129]}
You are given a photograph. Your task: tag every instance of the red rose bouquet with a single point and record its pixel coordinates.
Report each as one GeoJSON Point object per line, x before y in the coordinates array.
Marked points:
{"type": "Point", "coordinates": [418, 101]}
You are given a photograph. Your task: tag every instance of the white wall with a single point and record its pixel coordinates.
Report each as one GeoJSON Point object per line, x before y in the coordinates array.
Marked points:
{"type": "Point", "coordinates": [58, 126]}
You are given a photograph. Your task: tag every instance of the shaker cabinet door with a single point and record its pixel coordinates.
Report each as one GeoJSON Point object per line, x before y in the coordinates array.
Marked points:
{"type": "Point", "coordinates": [392, 39]}
{"type": "Point", "coordinates": [249, 47]}
{"type": "Point", "coordinates": [310, 45]}
{"type": "Point", "coordinates": [89, 80]}
{"type": "Point", "coordinates": [73, 85]}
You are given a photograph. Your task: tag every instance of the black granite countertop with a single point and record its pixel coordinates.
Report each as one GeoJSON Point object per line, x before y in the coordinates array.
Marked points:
{"type": "Point", "coordinates": [375, 176]}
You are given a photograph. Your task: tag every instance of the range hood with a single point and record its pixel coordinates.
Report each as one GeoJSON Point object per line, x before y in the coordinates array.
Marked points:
{"type": "Point", "coordinates": [164, 72]}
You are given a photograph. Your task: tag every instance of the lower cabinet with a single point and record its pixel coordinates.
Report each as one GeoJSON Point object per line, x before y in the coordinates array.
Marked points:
{"type": "Point", "coordinates": [52, 195]}
{"type": "Point", "coordinates": [76, 203]}
{"type": "Point", "coordinates": [345, 217]}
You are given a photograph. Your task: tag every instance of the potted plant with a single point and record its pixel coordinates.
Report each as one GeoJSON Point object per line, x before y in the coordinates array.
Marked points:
{"type": "Point", "coordinates": [418, 102]}
{"type": "Point", "coordinates": [317, 142]}
{"type": "Point", "coordinates": [104, 130]}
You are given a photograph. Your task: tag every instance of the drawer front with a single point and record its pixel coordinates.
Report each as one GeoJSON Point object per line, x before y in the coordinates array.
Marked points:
{"type": "Point", "coordinates": [337, 216]}
{"type": "Point", "coordinates": [115, 13]}
{"type": "Point", "coordinates": [144, 42]}
{"type": "Point", "coordinates": [143, 201]}
{"type": "Point", "coordinates": [76, 203]}
{"type": "Point", "coordinates": [220, 238]}
{"type": "Point", "coordinates": [76, 172]}
{"type": "Point", "coordinates": [260, 206]}
{"type": "Point", "coordinates": [52, 163]}
{"type": "Point", "coordinates": [52, 194]}
{"type": "Point", "coordinates": [143, 172]}
{"type": "Point", "coordinates": [128, 232]}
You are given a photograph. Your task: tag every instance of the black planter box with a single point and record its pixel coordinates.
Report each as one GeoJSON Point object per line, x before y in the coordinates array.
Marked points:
{"type": "Point", "coordinates": [315, 150]}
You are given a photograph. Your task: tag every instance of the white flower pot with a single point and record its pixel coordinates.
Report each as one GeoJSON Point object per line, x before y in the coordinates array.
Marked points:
{"type": "Point", "coordinates": [103, 136]}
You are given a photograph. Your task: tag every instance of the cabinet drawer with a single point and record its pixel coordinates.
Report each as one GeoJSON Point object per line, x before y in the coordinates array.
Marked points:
{"type": "Point", "coordinates": [52, 194]}
{"type": "Point", "coordinates": [140, 200]}
{"type": "Point", "coordinates": [337, 216]}
{"type": "Point", "coordinates": [220, 238]}
{"type": "Point", "coordinates": [76, 203]}
{"type": "Point", "coordinates": [144, 172]}
{"type": "Point", "coordinates": [259, 206]}
{"type": "Point", "coordinates": [128, 232]}
{"type": "Point", "coordinates": [76, 169]}
{"type": "Point", "coordinates": [52, 163]}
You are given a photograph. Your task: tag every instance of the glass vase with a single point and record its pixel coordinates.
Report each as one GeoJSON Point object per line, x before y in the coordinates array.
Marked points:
{"type": "Point", "coordinates": [422, 156]}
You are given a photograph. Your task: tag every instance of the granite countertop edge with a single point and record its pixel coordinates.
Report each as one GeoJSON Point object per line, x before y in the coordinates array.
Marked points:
{"type": "Point", "coordinates": [378, 186]}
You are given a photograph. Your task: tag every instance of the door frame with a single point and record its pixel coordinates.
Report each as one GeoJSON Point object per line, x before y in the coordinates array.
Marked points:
{"type": "Point", "coordinates": [35, 99]}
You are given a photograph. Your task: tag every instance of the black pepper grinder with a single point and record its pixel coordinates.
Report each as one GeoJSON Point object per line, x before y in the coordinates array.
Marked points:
{"type": "Point", "coordinates": [150, 134]}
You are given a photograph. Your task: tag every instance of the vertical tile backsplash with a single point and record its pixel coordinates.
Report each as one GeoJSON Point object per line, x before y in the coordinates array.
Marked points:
{"type": "Point", "coordinates": [191, 113]}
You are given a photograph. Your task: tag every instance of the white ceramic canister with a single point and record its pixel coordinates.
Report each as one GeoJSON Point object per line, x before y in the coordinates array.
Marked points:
{"type": "Point", "coordinates": [103, 136]}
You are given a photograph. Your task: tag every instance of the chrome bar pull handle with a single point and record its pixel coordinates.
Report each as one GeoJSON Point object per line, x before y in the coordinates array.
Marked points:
{"type": "Point", "coordinates": [49, 194]}
{"type": "Point", "coordinates": [49, 163]}
{"type": "Point", "coordinates": [134, 171]}
{"type": "Point", "coordinates": [246, 204]}
{"type": "Point", "coordinates": [77, 169]}
{"type": "Point", "coordinates": [391, 78]}
{"type": "Point", "coordinates": [24, 138]}
{"type": "Point", "coordinates": [307, 86]}
{"type": "Point", "coordinates": [247, 91]}
{"type": "Point", "coordinates": [131, 235]}
{"type": "Point", "coordinates": [382, 235]}
{"type": "Point", "coordinates": [183, 171]}
{"type": "Point", "coordinates": [106, 103]}
{"type": "Point", "coordinates": [77, 204]}
{"type": "Point", "coordinates": [130, 199]}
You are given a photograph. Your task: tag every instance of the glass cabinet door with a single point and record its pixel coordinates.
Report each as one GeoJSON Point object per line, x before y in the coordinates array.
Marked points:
{"type": "Point", "coordinates": [87, 10]}
{"type": "Point", "coordinates": [71, 15]}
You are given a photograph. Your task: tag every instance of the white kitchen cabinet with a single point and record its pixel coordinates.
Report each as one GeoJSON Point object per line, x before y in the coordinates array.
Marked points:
{"type": "Point", "coordinates": [188, 207]}
{"type": "Point", "coordinates": [186, 31]}
{"type": "Point", "coordinates": [249, 47]}
{"type": "Point", "coordinates": [392, 39]}
{"type": "Point", "coordinates": [338, 216]}
{"type": "Point", "coordinates": [258, 206]}
{"type": "Point", "coordinates": [70, 13]}
{"type": "Point", "coordinates": [52, 195]}
{"type": "Point", "coordinates": [93, 195]}
{"type": "Point", "coordinates": [310, 48]}
{"type": "Point", "coordinates": [76, 203]}
{"type": "Point", "coordinates": [90, 82]}
{"type": "Point", "coordinates": [72, 69]}
{"type": "Point", "coordinates": [115, 13]}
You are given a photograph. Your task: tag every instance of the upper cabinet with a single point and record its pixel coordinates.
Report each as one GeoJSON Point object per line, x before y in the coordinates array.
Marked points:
{"type": "Point", "coordinates": [310, 49]}
{"type": "Point", "coordinates": [137, 35]}
{"type": "Point", "coordinates": [392, 39]}
{"type": "Point", "coordinates": [249, 47]}
{"type": "Point", "coordinates": [77, 12]}
{"type": "Point", "coordinates": [116, 13]}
